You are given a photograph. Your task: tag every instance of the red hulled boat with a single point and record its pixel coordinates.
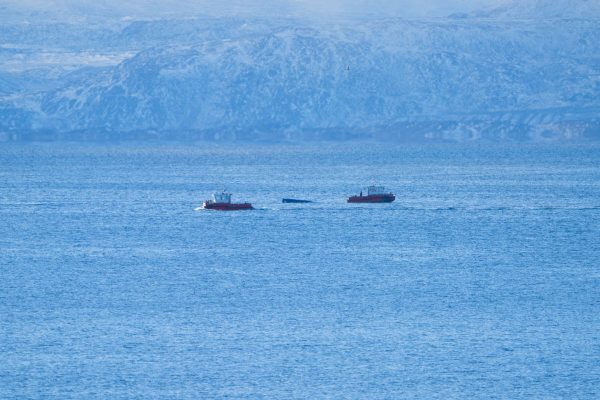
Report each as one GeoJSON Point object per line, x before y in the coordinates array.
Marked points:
{"type": "Point", "coordinates": [222, 202]}
{"type": "Point", "coordinates": [375, 194]}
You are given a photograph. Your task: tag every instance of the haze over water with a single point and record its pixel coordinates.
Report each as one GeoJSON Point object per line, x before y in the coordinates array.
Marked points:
{"type": "Point", "coordinates": [480, 281]}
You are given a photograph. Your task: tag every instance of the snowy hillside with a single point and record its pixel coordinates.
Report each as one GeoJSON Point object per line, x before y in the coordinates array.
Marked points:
{"type": "Point", "coordinates": [422, 79]}
{"type": "Point", "coordinates": [547, 9]}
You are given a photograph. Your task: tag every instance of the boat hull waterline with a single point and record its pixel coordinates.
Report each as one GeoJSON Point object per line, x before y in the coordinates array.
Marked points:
{"type": "Point", "coordinates": [227, 206]}
{"type": "Point", "coordinates": [375, 198]}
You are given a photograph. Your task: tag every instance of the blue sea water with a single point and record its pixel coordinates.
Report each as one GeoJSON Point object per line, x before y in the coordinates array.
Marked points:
{"type": "Point", "coordinates": [481, 281]}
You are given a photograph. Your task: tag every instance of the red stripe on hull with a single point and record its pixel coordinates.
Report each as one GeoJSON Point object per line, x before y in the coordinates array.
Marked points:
{"type": "Point", "coordinates": [376, 198]}
{"type": "Point", "coordinates": [228, 206]}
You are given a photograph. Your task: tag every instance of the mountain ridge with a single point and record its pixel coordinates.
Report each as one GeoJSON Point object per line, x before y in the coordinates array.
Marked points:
{"type": "Point", "coordinates": [391, 78]}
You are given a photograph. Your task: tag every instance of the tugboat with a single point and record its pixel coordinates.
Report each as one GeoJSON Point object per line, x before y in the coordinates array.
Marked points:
{"type": "Point", "coordinates": [222, 202]}
{"type": "Point", "coordinates": [375, 194]}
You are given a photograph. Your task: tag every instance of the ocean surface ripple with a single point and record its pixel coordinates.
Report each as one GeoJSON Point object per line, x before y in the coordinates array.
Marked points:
{"type": "Point", "coordinates": [482, 280]}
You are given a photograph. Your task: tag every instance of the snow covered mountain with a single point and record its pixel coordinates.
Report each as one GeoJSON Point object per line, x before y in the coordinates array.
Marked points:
{"type": "Point", "coordinates": [545, 9]}
{"type": "Point", "coordinates": [459, 78]}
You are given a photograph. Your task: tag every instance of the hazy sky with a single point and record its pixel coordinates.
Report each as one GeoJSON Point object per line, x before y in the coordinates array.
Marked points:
{"type": "Point", "coordinates": [149, 8]}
